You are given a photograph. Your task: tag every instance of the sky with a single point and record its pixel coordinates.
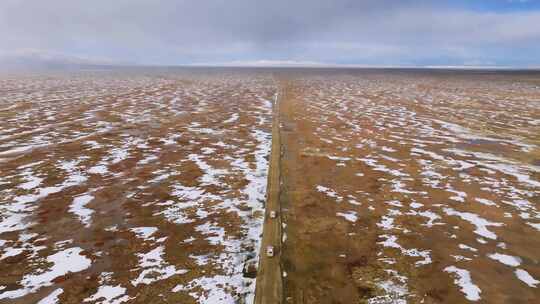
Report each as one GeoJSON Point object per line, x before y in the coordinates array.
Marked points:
{"type": "Point", "coordinates": [351, 32]}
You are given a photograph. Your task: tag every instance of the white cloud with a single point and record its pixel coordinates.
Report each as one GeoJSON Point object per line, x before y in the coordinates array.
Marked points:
{"type": "Point", "coordinates": [340, 31]}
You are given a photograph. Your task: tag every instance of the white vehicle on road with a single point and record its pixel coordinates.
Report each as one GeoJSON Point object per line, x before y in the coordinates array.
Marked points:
{"type": "Point", "coordinates": [270, 251]}
{"type": "Point", "coordinates": [273, 214]}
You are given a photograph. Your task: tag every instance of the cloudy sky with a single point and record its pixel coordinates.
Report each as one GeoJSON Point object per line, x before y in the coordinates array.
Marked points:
{"type": "Point", "coordinates": [378, 32]}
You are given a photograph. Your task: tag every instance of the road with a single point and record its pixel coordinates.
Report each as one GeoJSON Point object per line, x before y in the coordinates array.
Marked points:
{"type": "Point", "coordinates": [269, 281]}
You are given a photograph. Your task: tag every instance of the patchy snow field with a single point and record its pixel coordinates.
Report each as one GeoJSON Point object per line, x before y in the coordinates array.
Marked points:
{"type": "Point", "coordinates": [411, 187]}
{"type": "Point", "coordinates": [127, 187]}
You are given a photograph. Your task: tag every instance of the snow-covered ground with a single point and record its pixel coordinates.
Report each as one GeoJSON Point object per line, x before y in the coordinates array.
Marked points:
{"type": "Point", "coordinates": [432, 181]}
{"type": "Point", "coordinates": [118, 188]}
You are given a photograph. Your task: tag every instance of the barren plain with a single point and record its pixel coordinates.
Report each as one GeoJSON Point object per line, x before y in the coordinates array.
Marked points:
{"type": "Point", "coordinates": [118, 188]}
{"type": "Point", "coordinates": [149, 186]}
{"type": "Point", "coordinates": [411, 187]}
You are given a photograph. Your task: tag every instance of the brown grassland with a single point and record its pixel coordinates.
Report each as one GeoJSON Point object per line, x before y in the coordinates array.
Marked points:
{"type": "Point", "coordinates": [149, 186]}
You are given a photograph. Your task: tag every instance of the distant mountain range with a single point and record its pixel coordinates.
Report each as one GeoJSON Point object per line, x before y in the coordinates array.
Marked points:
{"type": "Point", "coordinates": [35, 59]}
{"type": "Point", "coordinates": [45, 60]}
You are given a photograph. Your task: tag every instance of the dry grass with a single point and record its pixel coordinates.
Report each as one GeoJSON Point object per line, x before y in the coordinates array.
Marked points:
{"type": "Point", "coordinates": [174, 171]}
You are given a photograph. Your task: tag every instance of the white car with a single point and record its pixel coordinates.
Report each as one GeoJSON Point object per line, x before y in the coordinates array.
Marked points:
{"type": "Point", "coordinates": [273, 214]}
{"type": "Point", "coordinates": [270, 251]}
